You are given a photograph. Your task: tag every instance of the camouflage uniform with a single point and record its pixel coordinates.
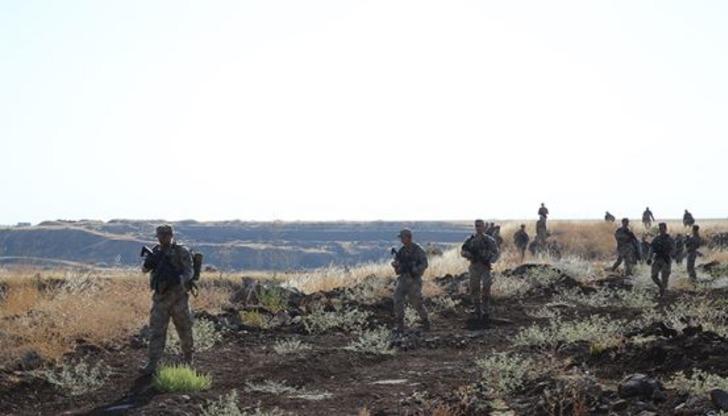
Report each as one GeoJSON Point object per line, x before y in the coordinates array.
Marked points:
{"type": "Point", "coordinates": [692, 244]}
{"type": "Point", "coordinates": [679, 254]}
{"type": "Point", "coordinates": [170, 300]}
{"type": "Point", "coordinates": [609, 217]}
{"type": "Point", "coordinates": [626, 249]}
{"type": "Point", "coordinates": [688, 220]}
{"type": "Point", "coordinates": [647, 218]}
{"type": "Point", "coordinates": [543, 211]}
{"type": "Point", "coordinates": [520, 240]}
{"type": "Point", "coordinates": [662, 248]}
{"type": "Point", "coordinates": [542, 232]}
{"type": "Point", "coordinates": [412, 261]}
{"type": "Point", "coordinates": [482, 251]}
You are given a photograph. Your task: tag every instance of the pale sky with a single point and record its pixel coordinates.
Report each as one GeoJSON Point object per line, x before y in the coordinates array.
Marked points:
{"type": "Point", "coordinates": [362, 110]}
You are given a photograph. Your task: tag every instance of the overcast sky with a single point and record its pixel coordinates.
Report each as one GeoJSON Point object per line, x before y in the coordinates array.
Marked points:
{"type": "Point", "coordinates": [358, 110]}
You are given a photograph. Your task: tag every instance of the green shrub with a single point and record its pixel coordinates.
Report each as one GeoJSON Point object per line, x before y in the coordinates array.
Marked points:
{"type": "Point", "coordinates": [377, 341]}
{"type": "Point", "coordinates": [77, 378]}
{"type": "Point", "coordinates": [319, 321]}
{"type": "Point", "coordinates": [274, 299]}
{"type": "Point", "coordinates": [228, 406]}
{"type": "Point", "coordinates": [699, 383]}
{"type": "Point", "coordinates": [255, 319]}
{"type": "Point", "coordinates": [601, 332]}
{"type": "Point", "coordinates": [203, 332]}
{"type": "Point", "coordinates": [290, 347]}
{"type": "Point", "coordinates": [506, 373]}
{"type": "Point", "coordinates": [177, 379]}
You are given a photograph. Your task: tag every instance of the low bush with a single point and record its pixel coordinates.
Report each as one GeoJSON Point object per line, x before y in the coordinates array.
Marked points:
{"type": "Point", "coordinates": [177, 379]}
{"type": "Point", "coordinates": [505, 373]}
{"type": "Point", "coordinates": [320, 321]}
{"type": "Point", "coordinates": [699, 383]}
{"type": "Point", "coordinates": [77, 378]}
{"type": "Point", "coordinates": [291, 346]}
{"type": "Point", "coordinates": [203, 332]}
{"type": "Point", "coordinates": [377, 341]}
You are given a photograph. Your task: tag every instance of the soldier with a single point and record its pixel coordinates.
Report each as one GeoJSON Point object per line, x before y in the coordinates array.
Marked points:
{"type": "Point", "coordinates": [482, 251]}
{"type": "Point", "coordinates": [692, 244]}
{"type": "Point", "coordinates": [521, 239]}
{"type": "Point", "coordinates": [496, 236]}
{"type": "Point", "coordinates": [410, 264]}
{"type": "Point", "coordinates": [688, 220]}
{"type": "Point", "coordinates": [542, 233]}
{"type": "Point", "coordinates": [660, 256]}
{"type": "Point", "coordinates": [679, 249]}
{"type": "Point", "coordinates": [171, 270]}
{"type": "Point", "coordinates": [647, 218]}
{"type": "Point", "coordinates": [626, 248]}
{"type": "Point", "coordinates": [645, 246]}
{"type": "Point", "coordinates": [543, 211]}
{"type": "Point", "coordinates": [609, 217]}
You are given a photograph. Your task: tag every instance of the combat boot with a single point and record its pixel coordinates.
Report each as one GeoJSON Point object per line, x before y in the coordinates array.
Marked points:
{"type": "Point", "coordinates": [148, 369]}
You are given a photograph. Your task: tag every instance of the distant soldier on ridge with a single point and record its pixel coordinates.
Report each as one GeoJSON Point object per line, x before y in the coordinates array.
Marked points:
{"type": "Point", "coordinates": [647, 218]}
{"type": "Point", "coordinates": [482, 251]}
{"type": "Point", "coordinates": [410, 263]}
{"type": "Point", "coordinates": [688, 220]}
{"type": "Point", "coordinates": [660, 255]}
{"type": "Point", "coordinates": [608, 217]}
{"type": "Point", "coordinates": [520, 240]}
{"type": "Point", "coordinates": [692, 244]}
{"type": "Point", "coordinates": [171, 270]}
{"type": "Point", "coordinates": [542, 232]}
{"type": "Point", "coordinates": [627, 250]}
{"type": "Point", "coordinates": [543, 211]}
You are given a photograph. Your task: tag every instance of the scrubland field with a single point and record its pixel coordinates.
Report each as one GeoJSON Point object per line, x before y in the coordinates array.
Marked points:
{"type": "Point", "coordinates": [565, 335]}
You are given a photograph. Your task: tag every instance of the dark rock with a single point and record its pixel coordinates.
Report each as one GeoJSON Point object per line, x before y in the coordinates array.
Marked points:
{"type": "Point", "coordinates": [719, 398]}
{"type": "Point", "coordinates": [641, 386]}
{"type": "Point", "coordinates": [31, 360]}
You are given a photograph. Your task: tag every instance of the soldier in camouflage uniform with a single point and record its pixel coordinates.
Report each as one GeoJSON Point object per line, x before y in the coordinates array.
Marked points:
{"type": "Point", "coordinates": [543, 211]}
{"type": "Point", "coordinates": [410, 264]}
{"type": "Point", "coordinates": [542, 232]}
{"type": "Point", "coordinates": [520, 240]}
{"type": "Point", "coordinates": [482, 250]}
{"type": "Point", "coordinates": [688, 220]}
{"type": "Point", "coordinates": [679, 253]}
{"type": "Point", "coordinates": [626, 248]}
{"type": "Point", "coordinates": [692, 244]}
{"type": "Point", "coordinates": [662, 248]}
{"type": "Point", "coordinates": [171, 270]}
{"type": "Point", "coordinates": [647, 218]}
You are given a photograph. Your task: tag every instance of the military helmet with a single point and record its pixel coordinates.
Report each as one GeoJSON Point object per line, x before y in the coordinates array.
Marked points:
{"type": "Point", "coordinates": [406, 232]}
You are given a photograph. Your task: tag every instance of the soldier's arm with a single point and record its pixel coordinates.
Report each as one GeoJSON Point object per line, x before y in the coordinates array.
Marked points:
{"type": "Point", "coordinates": [421, 262]}
{"type": "Point", "coordinates": [187, 271]}
{"type": "Point", "coordinates": [465, 249]}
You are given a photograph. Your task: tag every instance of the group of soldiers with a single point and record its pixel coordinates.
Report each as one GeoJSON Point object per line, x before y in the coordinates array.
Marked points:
{"type": "Point", "coordinates": [171, 273]}
{"type": "Point", "coordinates": [660, 252]}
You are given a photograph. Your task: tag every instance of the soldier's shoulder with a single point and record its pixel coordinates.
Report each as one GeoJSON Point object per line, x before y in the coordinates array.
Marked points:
{"type": "Point", "coordinates": [418, 248]}
{"type": "Point", "coordinates": [181, 248]}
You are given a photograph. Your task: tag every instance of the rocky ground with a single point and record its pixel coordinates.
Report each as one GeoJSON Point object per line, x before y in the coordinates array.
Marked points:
{"type": "Point", "coordinates": [629, 372]}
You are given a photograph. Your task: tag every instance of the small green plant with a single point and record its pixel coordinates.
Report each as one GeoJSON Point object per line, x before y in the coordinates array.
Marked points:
{"type": "Point", "coordinates": [442, 304]}
{"type": "Point", "coordinates": [319, 321]}
{"type": "Point", "coordinates": [601, 332]}
{"type": "Point", "coordinates": [274, 299]}
{"type": "Point", "coordinates": [255, 319]}
{"type": "Point", "coordinates": [506, 373]}
{"type": "Point", "coordinates": [224, 406]}
{"type": "Point", "coordinates": [376, 341]}
{"type": "Point", "coordinates": [77, 378]}
{"type": "Point", "coordinates": [291, 346]}
{"type": "Point", "coordinates": [203, 332]}
{"type": "Point", "coordinates": [699, 383]}
{"type": "Point", "coordinates": [177, 379]}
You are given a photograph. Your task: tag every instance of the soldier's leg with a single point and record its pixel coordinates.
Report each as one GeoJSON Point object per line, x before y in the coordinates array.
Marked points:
{"type": "Point", "coordinates": [182, 318]}
{"type": "Point", "coordinates": [399, 296]}
{"type": "Point", "coordinates": [666, 270]}
{"type": "Point", "coordinates": [629, 262]}
{"type": "Point", "coordinates": [158, 323]}
{"type": "Point", "coordinates": [691, 266]}
{"type": "Point", "coordinates": [475, 288]}
{"type": "Point", "coordinates": [616, 264]}
{"type": "Point", "coordinates": [415, 297]}
{"type": "Point", "coordinates": [654, 272]}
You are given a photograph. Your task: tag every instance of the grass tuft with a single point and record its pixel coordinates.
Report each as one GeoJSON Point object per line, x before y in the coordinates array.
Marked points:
{"type": "Point", "coordinates": [178, 379]}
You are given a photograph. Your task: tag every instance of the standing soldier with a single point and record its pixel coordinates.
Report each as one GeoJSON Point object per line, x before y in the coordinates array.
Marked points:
{"type": "Point", "coordinates": [692, 244]}
{"type": "Point", "coordinates": [662, 249]}
{"type": "Point", "coordinates": [679, 249]}
{"type": "Point", "coordinates": [608, 217]}
{"type": "Point", "coordinates": [626, 248]}
{"type": "Point", "coordinates": [482, 251]}
{"type": "Point", "coordinates": [688, 220]}
{"type": "Point", "coordinates": [496, 236]}
{"type": "Point", "coordinates": [543, 211]}
{"type": "Point", "coordinates": [521, 239]}
{"type": "Point", "coordinates": [171, 270]}
{"type": "Point", "coordinates": [647, 218]}
{"type": "Point", "coordinates": [542, 233]}
{"type": "Point", "coordinates": [410, 263]}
